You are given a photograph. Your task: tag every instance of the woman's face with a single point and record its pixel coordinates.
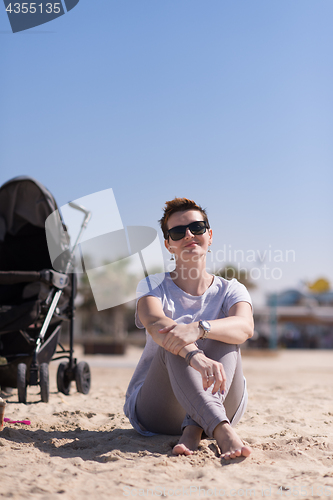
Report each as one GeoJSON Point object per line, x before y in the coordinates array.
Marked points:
{"type": "Point", "coordinates": [191, 245]}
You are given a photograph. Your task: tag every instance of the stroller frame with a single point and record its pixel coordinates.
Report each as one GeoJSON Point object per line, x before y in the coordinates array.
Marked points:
{"type": "Point", "coordinates": [31, 368]}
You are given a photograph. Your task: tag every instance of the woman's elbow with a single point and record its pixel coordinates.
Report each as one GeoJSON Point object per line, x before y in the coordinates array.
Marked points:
{"type": "Point", "coordinates": [249, 330]}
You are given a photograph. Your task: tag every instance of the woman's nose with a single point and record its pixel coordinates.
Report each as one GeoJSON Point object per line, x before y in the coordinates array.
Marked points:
{"type": "Point", "coordinates": [188, 233]}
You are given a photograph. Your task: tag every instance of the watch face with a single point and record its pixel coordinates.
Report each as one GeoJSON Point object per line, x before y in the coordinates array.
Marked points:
{"type": "Point", "coordinates": [205, 325]}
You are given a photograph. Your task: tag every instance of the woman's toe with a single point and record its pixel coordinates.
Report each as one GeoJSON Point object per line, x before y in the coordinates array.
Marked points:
{"type": "Point", "coordinates": [246, 451]}
{"type": "Point", "coordinates": [181, 449]}
{"type": "Point", "coordinates": [235, 453]}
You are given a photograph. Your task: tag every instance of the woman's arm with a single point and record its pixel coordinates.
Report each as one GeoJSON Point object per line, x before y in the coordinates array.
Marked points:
{"type": "Point", "coordinates": [154, 320]}
{"type": "Point", "coordinates": [152, 317]}
{"type": "Point", "coordinates": [235, 329]}
{"type": "Point", "coordinates": [151, 314]}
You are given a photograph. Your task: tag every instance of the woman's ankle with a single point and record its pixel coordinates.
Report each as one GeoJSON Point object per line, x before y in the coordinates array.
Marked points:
{"type": "Point", "coordinates": [192, 430]}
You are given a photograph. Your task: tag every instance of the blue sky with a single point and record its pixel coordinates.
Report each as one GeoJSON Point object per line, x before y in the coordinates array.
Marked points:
{"type": "Point", "coordinates": [226, 102]}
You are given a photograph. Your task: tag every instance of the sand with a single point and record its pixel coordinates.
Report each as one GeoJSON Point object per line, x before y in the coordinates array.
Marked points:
{"type": "Point", "coordinates": [81, 446]}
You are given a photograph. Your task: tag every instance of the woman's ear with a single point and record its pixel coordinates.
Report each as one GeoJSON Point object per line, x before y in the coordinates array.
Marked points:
{"type": "Point", "coordinates": [166, 244]}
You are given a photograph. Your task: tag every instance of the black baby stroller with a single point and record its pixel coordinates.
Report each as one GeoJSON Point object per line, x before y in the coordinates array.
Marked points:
{"type": "Point", "coordinates": [34, 298]}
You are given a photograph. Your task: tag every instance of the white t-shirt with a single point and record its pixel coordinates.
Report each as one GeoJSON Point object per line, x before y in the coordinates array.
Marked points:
{"type": "Point", "coordinates": [183, 308]}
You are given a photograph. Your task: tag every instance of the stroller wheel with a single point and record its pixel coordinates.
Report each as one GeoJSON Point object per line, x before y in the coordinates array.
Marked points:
{"type": "Point", "coordinates": [22, 382]}
{"type": "Point", "coordinates": [63, 382]}
{"type": "Point", "coordinates": [44, 382]}
{"type": "Point", "coordinates": [82, 377]}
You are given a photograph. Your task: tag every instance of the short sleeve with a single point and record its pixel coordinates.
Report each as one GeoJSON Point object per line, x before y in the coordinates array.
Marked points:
{"type": "Point", "coordinates": [236, 292]}
{"type": "Point", "coordinates": [149, 286]}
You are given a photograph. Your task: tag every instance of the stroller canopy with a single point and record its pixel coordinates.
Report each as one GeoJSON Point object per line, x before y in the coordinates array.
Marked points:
{"type": "Point", "coordinates": [23, 200]}
{"type": "Point", "coordinates": [25, 204]}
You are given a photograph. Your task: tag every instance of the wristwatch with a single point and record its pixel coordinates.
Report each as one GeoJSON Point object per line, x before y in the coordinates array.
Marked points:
{"type": "Point", "coordinates": [205, 325]}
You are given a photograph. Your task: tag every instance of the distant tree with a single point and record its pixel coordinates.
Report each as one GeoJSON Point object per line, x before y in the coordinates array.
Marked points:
{"type": "Point", "coordinates": [242, 275]}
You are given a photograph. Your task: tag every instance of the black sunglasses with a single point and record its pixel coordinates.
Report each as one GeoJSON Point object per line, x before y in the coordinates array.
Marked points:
{"type": "Point", "coordinates": [178, 232]}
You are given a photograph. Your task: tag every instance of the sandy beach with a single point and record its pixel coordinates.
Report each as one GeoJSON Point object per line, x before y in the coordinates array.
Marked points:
{"type": "Point", "coordinates": [81, 446]}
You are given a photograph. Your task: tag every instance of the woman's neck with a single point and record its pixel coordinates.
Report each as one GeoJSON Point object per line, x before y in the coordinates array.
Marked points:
{"type": "Point", "coordinates": [193, 280]}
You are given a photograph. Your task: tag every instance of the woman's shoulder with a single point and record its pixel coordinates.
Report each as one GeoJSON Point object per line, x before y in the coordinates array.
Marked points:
{"type": "Point", "coordinates": [233, 291]}
{"type": "Point", "coordinates": [156, 278]}
{"type": "Point", "coordinates": [151, 283]}
{"type": "Point", "coordinates": [231, 286]}
{"type": "Point", "coordinates": [225, 283]}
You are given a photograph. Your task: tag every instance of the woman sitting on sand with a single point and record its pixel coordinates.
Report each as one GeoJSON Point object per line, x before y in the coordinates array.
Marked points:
{"type": "Point", "coordinates": [189, 378]}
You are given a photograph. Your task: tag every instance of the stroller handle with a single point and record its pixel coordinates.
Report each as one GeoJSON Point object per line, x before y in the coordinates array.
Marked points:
{"type": "Point", "coordinates": [82, 209]}
{"type": "Point", "coordinates": [83, 226]}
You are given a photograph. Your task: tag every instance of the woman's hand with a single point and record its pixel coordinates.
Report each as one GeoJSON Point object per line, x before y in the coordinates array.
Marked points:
{"type": "Point", "coordinates": [178, 336]}
{"type": "Point", "coordinates": [212, 372]}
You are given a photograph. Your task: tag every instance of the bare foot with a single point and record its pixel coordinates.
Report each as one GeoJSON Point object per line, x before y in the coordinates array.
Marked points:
{"type": "Point", "coordinates": [189, 441]}
{"type": "Point", "coordinates": [229, 442]}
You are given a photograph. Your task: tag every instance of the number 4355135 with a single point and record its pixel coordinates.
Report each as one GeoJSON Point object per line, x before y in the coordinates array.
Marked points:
{"type": "Point", "coordinates": [34, 7]}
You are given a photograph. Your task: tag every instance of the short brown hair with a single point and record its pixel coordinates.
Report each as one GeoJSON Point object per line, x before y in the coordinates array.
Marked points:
{"type": "Point", "coordinates": [179, 205]}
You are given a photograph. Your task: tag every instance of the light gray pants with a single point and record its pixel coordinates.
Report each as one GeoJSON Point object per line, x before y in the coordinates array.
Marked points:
{"type": "Point", "coordinates": [172, 395]}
